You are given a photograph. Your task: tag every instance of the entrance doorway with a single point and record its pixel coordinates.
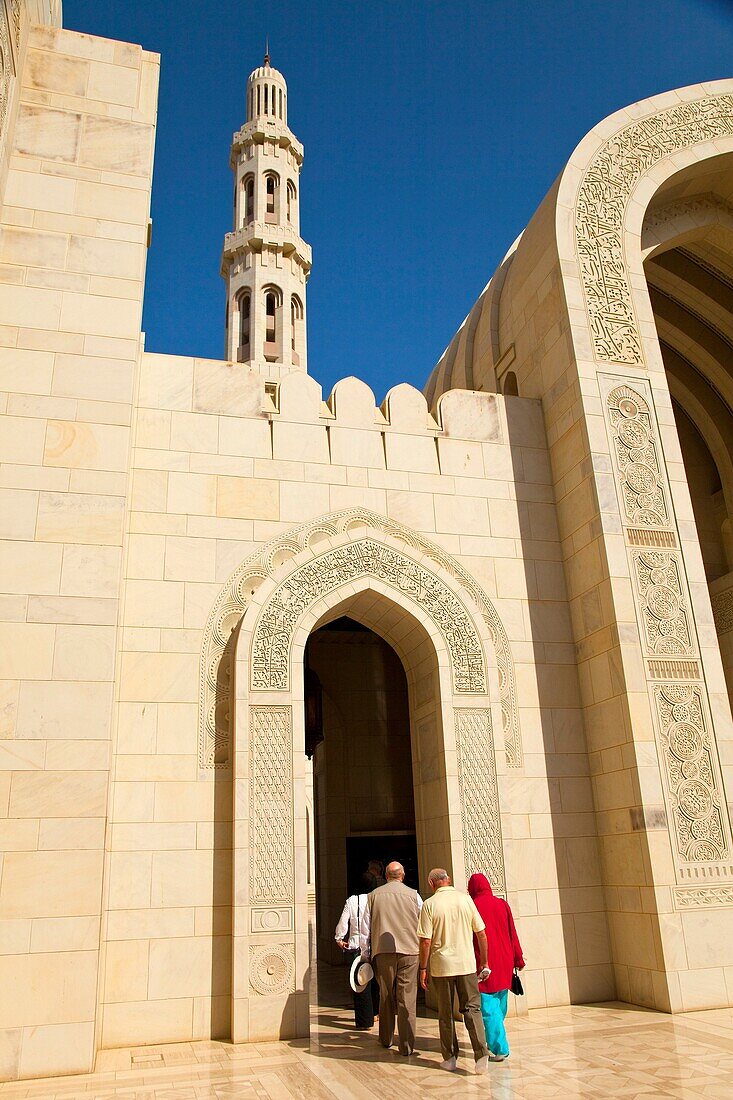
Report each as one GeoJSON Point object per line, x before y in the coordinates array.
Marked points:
{"type": "Point", "coordinates": [358, 735]}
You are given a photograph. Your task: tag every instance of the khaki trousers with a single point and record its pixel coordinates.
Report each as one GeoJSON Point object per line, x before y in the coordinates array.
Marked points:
{"type": "Point", "coordinates": [397, 978]}
{"type": "Point", "coordinates": [465, 988]}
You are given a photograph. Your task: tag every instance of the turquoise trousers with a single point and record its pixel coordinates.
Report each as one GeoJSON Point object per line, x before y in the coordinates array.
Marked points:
{"type": "Point", "coordinates": [493, 1011]}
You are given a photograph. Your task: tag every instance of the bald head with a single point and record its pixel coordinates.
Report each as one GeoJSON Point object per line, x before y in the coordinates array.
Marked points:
{"type": "Point", "coordinates": [438, 877]}
{"type": "Point", "coordinates": [395, 872]}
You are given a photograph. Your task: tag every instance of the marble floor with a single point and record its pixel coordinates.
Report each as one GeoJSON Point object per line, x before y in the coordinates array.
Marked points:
{"type": "Point", "coordinates": [599, 1051]}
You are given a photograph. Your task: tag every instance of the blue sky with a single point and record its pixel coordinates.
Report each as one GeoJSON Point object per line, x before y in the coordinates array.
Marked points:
{"type": "Point", "coordinates": [432, 130]}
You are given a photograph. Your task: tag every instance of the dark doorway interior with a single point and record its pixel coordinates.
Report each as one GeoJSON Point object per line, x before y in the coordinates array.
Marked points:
{"type": "Point", "coordinates": [361, 849]}
{"type": "Point", "coordinates": [358, 731]}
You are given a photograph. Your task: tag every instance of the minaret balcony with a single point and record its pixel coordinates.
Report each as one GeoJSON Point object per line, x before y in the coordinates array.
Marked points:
{"type": "Point", "coordinates": [258, 235]}
{"type": "Point", "coordinates": [263, 129]}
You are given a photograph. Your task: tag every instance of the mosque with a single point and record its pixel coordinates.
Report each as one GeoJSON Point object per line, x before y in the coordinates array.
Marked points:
{"type": "Point", "coordinates": [252, 635]}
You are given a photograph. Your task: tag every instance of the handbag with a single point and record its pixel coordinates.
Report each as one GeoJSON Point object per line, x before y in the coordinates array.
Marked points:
{"type": "Point", "coordinates": [516, 987]}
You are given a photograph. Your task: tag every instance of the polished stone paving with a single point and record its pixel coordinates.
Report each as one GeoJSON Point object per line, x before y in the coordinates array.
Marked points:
{"type": "Point", "coordinates": [599, 1051]}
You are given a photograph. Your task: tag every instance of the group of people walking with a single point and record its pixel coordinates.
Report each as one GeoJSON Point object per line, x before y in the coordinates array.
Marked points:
{"type": "Point", "coordinates": [463, 946]}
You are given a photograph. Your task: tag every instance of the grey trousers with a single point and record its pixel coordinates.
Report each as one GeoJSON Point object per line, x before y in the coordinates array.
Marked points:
{"type": "Point", "coordinates": [397, 978]}
{"type": "Point", "coordinates": [465, 987]}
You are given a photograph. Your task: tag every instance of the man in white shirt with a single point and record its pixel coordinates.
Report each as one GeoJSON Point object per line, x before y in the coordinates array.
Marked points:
{"type": "Point", "coordinates": [447, 922]}
{"type": "Point", "coordinates": [366, 1002]}
{"type": "Point", "coordinates": [389, 932]}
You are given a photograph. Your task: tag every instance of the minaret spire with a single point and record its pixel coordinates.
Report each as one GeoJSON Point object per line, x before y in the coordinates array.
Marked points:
{"type": "Point", "coordinates": [265, 261]}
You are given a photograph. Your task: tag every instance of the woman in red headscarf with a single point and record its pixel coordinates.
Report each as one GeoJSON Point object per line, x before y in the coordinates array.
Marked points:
{"type": "Point", "coordinates": [505, 953]}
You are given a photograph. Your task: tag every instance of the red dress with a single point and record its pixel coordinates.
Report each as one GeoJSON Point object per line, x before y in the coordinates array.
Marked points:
{"type": "Point", "coordinates": [504, 949]}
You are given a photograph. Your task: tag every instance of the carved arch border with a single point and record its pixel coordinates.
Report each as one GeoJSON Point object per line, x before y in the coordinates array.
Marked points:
{"type": "Point", "coordinates": [221, 629]}
{"type": "Point", "coordinates": [601, 193]}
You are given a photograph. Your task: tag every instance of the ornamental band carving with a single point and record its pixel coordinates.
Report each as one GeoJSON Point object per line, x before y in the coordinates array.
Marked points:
{"type": "Point", "coordinates": [603, 196]}
{"type": "Point", "coordinates": [271, 857]}
{"type": "Point", "coordinates": [690, 764]}
{"type": "Point", "coordinates": [273, 633]}
{"type": "Point", "coordinates": [221, 629]}
{"type": "Point", "coordinates": [480, 816]}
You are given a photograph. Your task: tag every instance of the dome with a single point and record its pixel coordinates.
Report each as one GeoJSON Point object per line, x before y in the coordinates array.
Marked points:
{"type": "Point", "coordinates": [266, 72]}
{"type": "Point", "coordinates": [267, 94]}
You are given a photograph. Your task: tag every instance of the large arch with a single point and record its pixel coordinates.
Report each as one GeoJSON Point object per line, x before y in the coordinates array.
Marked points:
{"type": "Point", "coordinates": [617, 312]}
{"type": "Point", "coordinates": [446, 648]}
{"type": "Point", "coordinates": [243, 583]}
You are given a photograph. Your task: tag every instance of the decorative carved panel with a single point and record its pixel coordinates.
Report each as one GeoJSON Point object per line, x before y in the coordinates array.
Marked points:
{"type": "Point", "coordinates": [658, 576]}
{"type": "Point", "coordinates": [273, 633]}
{"type": "Point", "coordinates": [220, 634]}
{"type": "Point", "coordinates": [271, 856]}
{"type": "Point", "coordinates": [275, 919]}
{"type": "Point", "coordinates": [637, 459]}
{"type": "Point", "coordinates": [691, 769]}
{"type": "Point", "coordinates": [6, 67]}
{"type": "Point", "coordinates": [480, 816]}
{"type": "Point", "coordinates": [272, 969]}
{"type": "Point", "coordinates": [603, 196]}
{"type": "Point", "coordinates": [723, 610]}
{"type": "Point", "coordinates": [698, 816]}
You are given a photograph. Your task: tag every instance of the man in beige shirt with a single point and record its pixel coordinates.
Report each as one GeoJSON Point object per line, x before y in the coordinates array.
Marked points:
{"type": "Point", "coordinates": [447, 922]}
{"type": "Point", "coordinates": [389, 931]}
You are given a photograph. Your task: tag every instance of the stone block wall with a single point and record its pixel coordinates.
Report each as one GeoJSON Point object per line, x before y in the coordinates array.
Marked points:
{"type": "Point", "coordinates": [72, 262]}
{"type": "Point", "coordinates": [220, 467]}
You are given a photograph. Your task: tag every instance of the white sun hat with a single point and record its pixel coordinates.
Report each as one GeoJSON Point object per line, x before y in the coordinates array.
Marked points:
{"type": "Point", "coordinates": [361, 974]}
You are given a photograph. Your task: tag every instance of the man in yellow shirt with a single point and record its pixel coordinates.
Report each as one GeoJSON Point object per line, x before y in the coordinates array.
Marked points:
{"type": "Point", "coordinates": [447, 922]}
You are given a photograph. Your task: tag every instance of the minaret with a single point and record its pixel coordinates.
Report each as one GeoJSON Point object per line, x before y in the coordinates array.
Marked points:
{"type": "Point", "coordinates": [265, 261]}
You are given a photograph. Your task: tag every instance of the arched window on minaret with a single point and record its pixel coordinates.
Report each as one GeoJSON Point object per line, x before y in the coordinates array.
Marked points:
{"type": "Point", "coordinates": [248, 194]}
{"type": "Point", "coordinates": [245, 311]}
{"type": "Point", "coordinates": [292, 197]}
{"type": "Point", "coordinates": [271, 188]}
{"type": "Point", "coordinates": [296, 327]}
{"type": "Point", "coordinates": [273, 324]}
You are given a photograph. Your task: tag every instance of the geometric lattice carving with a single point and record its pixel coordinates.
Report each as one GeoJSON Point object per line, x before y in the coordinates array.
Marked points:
{"type": "Point", "coordinates": [271, 870]}
{"type": "Point", "coordinates": [666, 624]}
{"type": "Point", "coordinates": [637, 459]}
{"type": "Point", "coordinates": [273, 632]}
{"type": "Point", "coordinates": [233, 600]}
{"type": "Point", "coordinates": [692, 774]}
{"type": "Point", "coordinates": [480, 817]}
{"type": "Point", "coordinates": [272, 969]}
{"type": "Point", "coordinates": [603, 196]}
{"type": "Point", "coordinates": [703, 897]}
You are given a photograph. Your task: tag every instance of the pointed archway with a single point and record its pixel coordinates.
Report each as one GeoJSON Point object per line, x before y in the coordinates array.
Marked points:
{"type": "Point", "coordinates": [446, 648]}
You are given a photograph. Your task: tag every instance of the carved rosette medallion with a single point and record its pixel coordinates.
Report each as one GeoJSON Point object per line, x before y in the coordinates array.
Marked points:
{"type": "Point", "coordinates": [603, 196]}
{"type": "Point", "coordinates": [272, 970]}
{"type": "Point", "coordinates": [273, 633]}
{"type": "Point", "coordinates": [637, 460]}
{"type": "Point", "coordinates": [226, 615]}
{"type": "Point", "coordinates": [480, 814]}
{"type": "Point", "coordinates": [271, 856]}
{"type": "Point", "coordinates": [693, 774]}
{"type": "Point", "coordinates": [667, 630]}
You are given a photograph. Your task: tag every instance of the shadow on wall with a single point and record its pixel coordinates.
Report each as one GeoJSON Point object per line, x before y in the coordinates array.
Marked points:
{"type": "Point", "coordinates": [567, 796]}
{"type": "Point", "coordinates": [222, 901]}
